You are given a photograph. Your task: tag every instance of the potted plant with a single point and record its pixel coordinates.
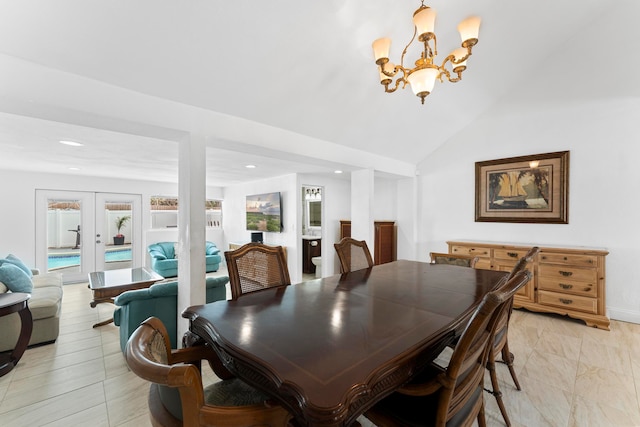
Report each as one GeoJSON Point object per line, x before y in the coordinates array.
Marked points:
{"type": "Point", "coordinates": [121, 221]}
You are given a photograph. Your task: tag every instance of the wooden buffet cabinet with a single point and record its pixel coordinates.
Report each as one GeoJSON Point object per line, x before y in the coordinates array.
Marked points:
{"type": "Point", "coordinates": [567, 281]}
{"type": "Point", "coordinates": [384, 244]}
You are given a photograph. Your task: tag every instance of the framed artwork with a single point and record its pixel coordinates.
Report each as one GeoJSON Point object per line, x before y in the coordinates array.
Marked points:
{"type": "Point", "coordinates": [533, 189]}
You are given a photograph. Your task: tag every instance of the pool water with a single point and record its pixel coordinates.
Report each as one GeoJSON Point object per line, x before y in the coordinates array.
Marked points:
{"type": "Point", "coordinates": [69, 260]}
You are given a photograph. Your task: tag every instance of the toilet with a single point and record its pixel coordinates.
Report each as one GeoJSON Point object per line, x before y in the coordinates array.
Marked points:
{"type": "Point", "coordinates": [317, 261]}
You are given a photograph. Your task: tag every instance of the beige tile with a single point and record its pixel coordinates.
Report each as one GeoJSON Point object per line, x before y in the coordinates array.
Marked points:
{"type": "Point", "coordinates": [140, 421]}
{"type": "Point", "coordinates": [94, 417]}
{"type": "Point", "coordinates": [39, 365]}
{"type": "Point", "coordinates": [559, 344]}
{"type": "Point", "coordinates": [612, 358]}
{"type": "Point", "coordinates": [551, 369]}
{"type": "Point", "coordinates": [53, 409]}
{"type": "Point", "coordinates": [126, 398]}
{"type": "Point", "coordinates": [606, 387]}
{"type": "Point", "coordinates": [588, 413]}
{"type": "Point", "coordinates": [537, 404]}
{"type": "Point", "coordinates": [54, 383]}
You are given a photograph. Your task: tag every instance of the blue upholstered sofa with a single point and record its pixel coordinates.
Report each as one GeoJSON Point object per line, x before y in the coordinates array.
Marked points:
{"type": "Point", "coordinates": [161, 301]}
{"type": "Point", "coordinates": [165, 263]}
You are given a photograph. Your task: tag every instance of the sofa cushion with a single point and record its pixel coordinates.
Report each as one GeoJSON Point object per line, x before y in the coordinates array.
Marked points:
{"type": "Point", "coordinates": [45, 302]}
{"type": "Point", "coordinates": [15, 278]}
{"type": "Point", "coordinates": [12, 259]}
{"type": "Point", "coordinates": [48, 279]}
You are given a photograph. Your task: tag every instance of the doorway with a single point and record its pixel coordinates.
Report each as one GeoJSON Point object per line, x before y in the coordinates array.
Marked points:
{"type": "Point", "coordinates": [78, 232]}
{"type": "Point", "coordinates": [312, 217]}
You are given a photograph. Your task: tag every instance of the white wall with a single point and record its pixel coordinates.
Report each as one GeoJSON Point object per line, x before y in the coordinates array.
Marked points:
{"type": "Point", "coordinates": [603, 210]}
{"type": "Point", "coordinates": [335, 198]}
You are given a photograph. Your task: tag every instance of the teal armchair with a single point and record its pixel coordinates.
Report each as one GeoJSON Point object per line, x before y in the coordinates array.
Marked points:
{"type": "Point", "coordinates": [165, 263]}
{"type": "Point", "coordinates": [161, 301]}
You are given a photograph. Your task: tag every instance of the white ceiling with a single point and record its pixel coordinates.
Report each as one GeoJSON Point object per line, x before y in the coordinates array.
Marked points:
{"type": "Point", "coordinates": [302, 66]}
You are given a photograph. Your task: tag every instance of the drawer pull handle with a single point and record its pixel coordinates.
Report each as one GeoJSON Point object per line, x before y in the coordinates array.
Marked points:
{"type": "Point", "coordinates": [565, 286]}
{"type": "Point", "coordinates": [512, 254]}
{"type": "Point", "coordinates": [565, 301]}
{"type": "Point", "coordinates": [565, 273]}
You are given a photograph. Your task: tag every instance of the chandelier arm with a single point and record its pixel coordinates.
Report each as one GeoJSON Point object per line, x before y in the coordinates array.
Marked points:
{"type": "Point", "coordinates": [448, 75]}
{"type": "Point", "coordinates": [386, 86]}
{"type": "Point", "coordinates": [404, 52]}
{"type": "Point", "coordinates": [451, 58]}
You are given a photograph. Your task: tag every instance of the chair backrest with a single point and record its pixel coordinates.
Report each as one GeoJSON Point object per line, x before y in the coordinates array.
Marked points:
{"type": "Point", "coordinates": [453, 259]}
{"type": "Point", "coordinates": [256, 266]}
{"type": "Point", "coordinates": [463, 380]}
{"type": "Point", "coordinates": [502, 322]}
{"type": "Point", "coordinates": [353, 254]}
{"type": "Point", "coordinates": [177, 396]}
{"type": "Point", "coordinates": [522, 262]}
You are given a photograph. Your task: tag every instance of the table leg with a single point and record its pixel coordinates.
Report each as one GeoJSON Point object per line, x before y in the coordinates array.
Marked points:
{"type": "Point", "coordinates": [23, 341]}
{"type": "Point", "coordinates": [99, 301]}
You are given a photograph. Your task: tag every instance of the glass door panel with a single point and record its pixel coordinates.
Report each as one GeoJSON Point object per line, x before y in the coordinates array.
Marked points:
{"type": "Point", "coordinates": [118, 231]}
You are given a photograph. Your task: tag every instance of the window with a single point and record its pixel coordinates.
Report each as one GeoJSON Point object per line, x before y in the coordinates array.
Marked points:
{"type": "Point", "coordinates": [164, 212]}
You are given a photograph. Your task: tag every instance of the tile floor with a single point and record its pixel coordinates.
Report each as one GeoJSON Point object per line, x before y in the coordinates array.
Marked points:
{"type": "Point", "coordinates": [571, 375]}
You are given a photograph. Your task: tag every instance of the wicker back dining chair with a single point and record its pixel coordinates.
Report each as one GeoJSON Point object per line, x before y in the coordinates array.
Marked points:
{"type": "Point", "coordinates": [177, 396]}
{"type": "Point", "coordinates": [353, 254]}
{"type": "Point", "coordinates": [501, 340]}
{"type": "Point", "coordinates": [256, 266]}
{"type": "Point", "coordinates": [453, 259]}
{"type": "Point", "coordinates": [451, 395]}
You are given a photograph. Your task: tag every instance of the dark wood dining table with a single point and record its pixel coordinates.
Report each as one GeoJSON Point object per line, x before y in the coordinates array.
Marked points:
{"type": "Point", "coordinates": [328, 349]}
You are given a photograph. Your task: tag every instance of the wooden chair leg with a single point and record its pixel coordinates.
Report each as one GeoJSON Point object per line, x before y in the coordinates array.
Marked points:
{"type": "Point", "coordinates": [491, 367]}
{"type": "Point", "coordinates": [482, 421]}
{"type": "Point", "coordinates": [507, 358]}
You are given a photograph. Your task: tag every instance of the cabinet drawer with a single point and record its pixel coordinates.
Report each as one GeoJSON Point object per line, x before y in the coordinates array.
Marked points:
{"type": "Point", "coordinates": [512, 254]}
{"type": "Point", "coordinates": [561, 272]}
{"type": "Point", "coordinates": [569, 302]}
{"type": "Point", "coordinates": [569, 259]}
{"type": "Point", "coordinates": [471, 250]}
{"type": "Point", "coordinates": [483, 264]}
{"type": "Point", "coordinates": [588, 289]}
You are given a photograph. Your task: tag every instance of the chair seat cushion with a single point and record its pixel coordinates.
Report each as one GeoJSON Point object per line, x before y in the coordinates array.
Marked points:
{"type": "Point", "coordinates": [233, 392]}
{"type": "Point", "coordinates": [420, 411]}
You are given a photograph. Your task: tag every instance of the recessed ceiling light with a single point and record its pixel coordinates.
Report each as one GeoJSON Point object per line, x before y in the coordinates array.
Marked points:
{"type": "Point", "coordinates": [337, 171]}
{"type": "Point", "coordinates": [250, 166]}
{"type": "Point", "coordinates": [72, 143]}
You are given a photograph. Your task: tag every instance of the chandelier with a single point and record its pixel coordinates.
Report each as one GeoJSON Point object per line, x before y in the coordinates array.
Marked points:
{"type": "Point", "coordinates": [422, 77]}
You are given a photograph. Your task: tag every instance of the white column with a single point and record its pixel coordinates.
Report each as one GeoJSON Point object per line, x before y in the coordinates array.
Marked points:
{"type": "Point", "coordinates": [362, 186]}
{"type": "Point", "coordinates": [191, 226]}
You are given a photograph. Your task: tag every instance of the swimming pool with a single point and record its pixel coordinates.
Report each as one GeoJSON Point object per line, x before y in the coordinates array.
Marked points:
{"type": "Point", "coordinates": [70, 260]}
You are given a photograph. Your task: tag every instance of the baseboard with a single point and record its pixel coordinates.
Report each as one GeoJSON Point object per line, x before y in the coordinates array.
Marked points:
{"type": "Point", "coordinates": [624, 315]}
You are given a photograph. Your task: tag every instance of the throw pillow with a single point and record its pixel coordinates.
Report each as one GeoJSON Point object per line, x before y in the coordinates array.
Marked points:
{"type": "Point", "coordinates": [15, 279]}
{"type": "Point", "coordinates": [12, 259]}
{"type": "Point", "coordinates": [175, 250]}
{"type": "Point", "coordinates": [3, 288]}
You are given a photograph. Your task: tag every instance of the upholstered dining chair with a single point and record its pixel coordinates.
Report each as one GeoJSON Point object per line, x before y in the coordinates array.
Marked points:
{"type": "Point", "coordinates": [453, 259]}
{"type": "Point", "coordinates": [501, 340]}
{"type": "Point", "coordinates": [451, 395]}
{"type": "Point", "coordinates": [256, 266]}
{"type": "Point", "coordinates": [177, 396]}
{"type": "Point", "coordinates": [353, 254]}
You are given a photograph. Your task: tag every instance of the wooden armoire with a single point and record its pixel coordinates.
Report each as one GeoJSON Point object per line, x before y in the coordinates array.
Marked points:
{"type": "Point", "coordinates": [384, 245]}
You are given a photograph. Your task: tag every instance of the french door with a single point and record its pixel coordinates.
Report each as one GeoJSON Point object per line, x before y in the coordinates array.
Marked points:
{"type": "Point", "coordinates": [78, 232]}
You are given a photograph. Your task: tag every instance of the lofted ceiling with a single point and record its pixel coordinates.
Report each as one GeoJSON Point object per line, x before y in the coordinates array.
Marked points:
{"type": "Point", "coordinates": [301, 66]}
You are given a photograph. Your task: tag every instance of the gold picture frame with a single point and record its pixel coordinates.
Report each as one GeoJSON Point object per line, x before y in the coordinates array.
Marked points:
{"type": "Point", "coordinates": [525, 189]}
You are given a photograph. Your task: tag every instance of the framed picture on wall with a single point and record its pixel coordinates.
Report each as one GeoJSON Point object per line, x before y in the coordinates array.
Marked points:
{"type": "Point", "coordinates": [525, 189]}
